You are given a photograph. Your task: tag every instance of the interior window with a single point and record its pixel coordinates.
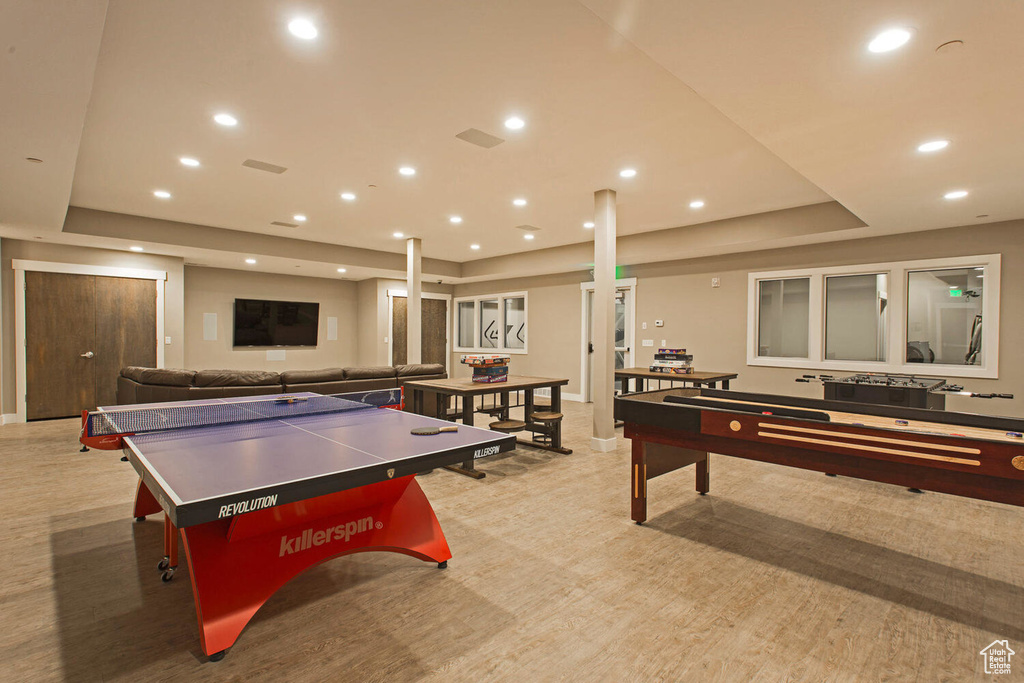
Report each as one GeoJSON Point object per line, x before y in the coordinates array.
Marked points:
{"type": "Point", "coordinates": [944, 316]}
{"type": "Point", "coordinates": [856, 317]}
{"type": "Point", "coordinates": [783, 313]}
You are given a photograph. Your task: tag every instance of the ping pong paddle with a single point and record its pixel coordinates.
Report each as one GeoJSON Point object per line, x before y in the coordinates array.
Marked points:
{"type": "Point", "coordinates": [429, 431]}
{"type": "Point", "coordinates": [290, 399]}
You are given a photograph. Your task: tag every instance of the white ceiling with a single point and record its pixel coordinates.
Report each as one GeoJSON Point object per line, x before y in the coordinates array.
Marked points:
{"type": "Point", "coordinates": [798, 77]}
{"type": "Point", "coordinates": [752, 107]}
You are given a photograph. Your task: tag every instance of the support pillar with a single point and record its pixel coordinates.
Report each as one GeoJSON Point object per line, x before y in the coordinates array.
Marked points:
{"type": "Point", "coordinates": [414, 309]}
{"type": "Point", "coordinates": [603, 391]}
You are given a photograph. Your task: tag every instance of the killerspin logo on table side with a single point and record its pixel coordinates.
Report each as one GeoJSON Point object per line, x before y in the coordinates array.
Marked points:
{"type": "Point", "coordinates": [342, 532]}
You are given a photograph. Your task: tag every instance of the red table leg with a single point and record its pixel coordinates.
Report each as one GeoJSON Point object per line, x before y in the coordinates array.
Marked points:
{"type": "Point", "coordinates": [145, 503]}
{"type": "Point", "coordinates": [236, 564]}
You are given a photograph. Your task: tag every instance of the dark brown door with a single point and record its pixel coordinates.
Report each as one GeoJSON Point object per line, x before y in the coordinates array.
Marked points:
{"type": "Point", "coordinates": [433, 331]}
{"type": "Point", "coordinates": [80, 330]}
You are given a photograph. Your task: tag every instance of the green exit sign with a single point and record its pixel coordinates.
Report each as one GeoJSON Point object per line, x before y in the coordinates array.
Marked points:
{"type": "Point", "coordinates": [956, 292]}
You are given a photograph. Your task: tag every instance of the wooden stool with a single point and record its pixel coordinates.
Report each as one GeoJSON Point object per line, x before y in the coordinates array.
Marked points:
{"type": "Point", "coordinates": [508, 426]}
{"type": "Point", "coordinates": [543, 424]}
{"type": "Point", "coordinates": [542, 403]}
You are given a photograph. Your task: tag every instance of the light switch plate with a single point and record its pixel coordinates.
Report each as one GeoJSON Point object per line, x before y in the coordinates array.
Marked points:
{"type": "Point", "coordinates": [664, 344]}
{"type": "Point", "coordinates": [648, 342]}
{"type": "Point", "coordinates": [643, 326]}
{"type": "Point", "coordinates": [659, 323]}
{"type": "Point", "coordinates": [167, 340]}
{"type": "Point", "coordinates": [716, 282]}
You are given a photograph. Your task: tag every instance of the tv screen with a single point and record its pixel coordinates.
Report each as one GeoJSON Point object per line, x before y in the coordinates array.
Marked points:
{"type": "Point", "coordinates": [275, 323]}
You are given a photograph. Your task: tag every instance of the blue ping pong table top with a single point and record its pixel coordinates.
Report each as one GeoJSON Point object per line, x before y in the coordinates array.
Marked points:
{"type": "Point", "coordinates": [197, 471]}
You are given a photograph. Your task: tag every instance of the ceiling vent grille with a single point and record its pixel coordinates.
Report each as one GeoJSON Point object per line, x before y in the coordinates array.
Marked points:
{"type": "Point", "coordinates": [264, 166]}
{"type": "Point", "coordinates": [285, 225]}
{"type": "Point", "coordinates": [479, 138]}
{"type": "Point", "coordinates": [528, 228]}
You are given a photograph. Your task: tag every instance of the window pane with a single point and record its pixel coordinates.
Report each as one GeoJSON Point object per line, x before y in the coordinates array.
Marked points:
{"type": "Point", "coordinates": [782, 317]}
{"type": "Point", "coordinates": [489, 324]}
{"type": "Point", "coordinates": [944, 316]}
{"type": "Point", "coordinates": [515, 323]}
{"type": "Point", "coordinates": [620, 321]}
{"type": "Point", "coordinates": [466, 324]}
{"type": "Point", "coordinates": [856, 317]}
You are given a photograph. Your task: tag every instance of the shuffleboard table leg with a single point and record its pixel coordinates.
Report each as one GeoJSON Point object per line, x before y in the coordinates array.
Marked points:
{"type": "Point", "coordinates": [638, 488]}
{"type": "Point", "coordinates": [704, 474]}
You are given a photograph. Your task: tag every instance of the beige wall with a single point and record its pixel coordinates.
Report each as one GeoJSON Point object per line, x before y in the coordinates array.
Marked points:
{"type": "Point", "coordinates": [213, 290]}
{"type": "Point", "coordinates": [39, 251]}
{"type": "Point", "coordinates": [711, 322]}
{"type": "Point", "coordinates": [553, 326]}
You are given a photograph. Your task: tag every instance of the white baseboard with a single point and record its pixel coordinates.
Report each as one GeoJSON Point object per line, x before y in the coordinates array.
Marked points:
{"type": "Point", "coordinates": [603, 445]}
{"type": "Point", "coordinates": [546, 393]}
{"type": "Point", "coordinates": [10, 418]}
{"type": "Point", "coordinates": [578, 398]}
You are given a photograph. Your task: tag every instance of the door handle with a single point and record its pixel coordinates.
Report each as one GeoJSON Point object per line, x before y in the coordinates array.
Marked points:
{"type": "Point", "coordinates": [87, 354]}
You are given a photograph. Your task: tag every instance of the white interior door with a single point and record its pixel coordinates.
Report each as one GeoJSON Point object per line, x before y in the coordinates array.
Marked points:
{"type": "Point", "coordinates": [623, 326]}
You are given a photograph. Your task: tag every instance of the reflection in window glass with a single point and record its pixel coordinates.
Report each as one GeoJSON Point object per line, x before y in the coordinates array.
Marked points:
{"type": "Point", "coordinates": [856, 317]}
{"type": "Point", "coordinates": [782, 317]}
{"type": "Point", "coordinates": [489, 324]}
{"type": "Point", "coordinates": [466, 324]}
{"type": "Point", "coordinates": [944, 316]}
{"type": "Point", "coordinates": [515, 323]}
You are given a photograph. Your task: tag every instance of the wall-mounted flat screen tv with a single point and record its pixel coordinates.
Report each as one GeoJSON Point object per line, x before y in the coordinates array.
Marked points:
{"type": "Point", "coordinates": [275, 323]}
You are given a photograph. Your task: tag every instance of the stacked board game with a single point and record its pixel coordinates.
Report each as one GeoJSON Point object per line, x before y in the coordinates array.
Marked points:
{"type": "Point", "coordinates": [488, 367]}
{"type": "Point", "coordinates": [673, 361]}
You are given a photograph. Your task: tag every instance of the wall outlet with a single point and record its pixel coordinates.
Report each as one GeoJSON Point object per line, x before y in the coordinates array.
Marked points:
{"type": "Point", "coordinates": [648, 342]}
{"type": "Point", "coordinates": [659, 323]}
{"type": "Point", "coordinates": [716, 282]}
{"type": "Point", "coordinates": [664, 344]}
{"type": "Point", "coordinates": [643, 326]}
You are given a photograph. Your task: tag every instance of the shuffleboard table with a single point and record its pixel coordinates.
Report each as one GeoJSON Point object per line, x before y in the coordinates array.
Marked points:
{"type": "Point", "coordinates": [977, 456]}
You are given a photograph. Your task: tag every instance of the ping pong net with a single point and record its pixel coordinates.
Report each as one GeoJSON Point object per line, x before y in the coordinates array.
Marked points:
{"type": "Point", "coordinates": [154, 418]}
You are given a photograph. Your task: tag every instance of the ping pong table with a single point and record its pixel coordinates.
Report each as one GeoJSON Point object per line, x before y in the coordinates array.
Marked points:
{"type": "Point", "coordinates": [260, 488]}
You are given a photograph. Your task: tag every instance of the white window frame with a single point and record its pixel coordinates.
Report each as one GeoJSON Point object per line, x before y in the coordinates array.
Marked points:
{"type": "Point", "coordinates": [896, 333]}
{"type": "Point", "coordinates": [475, 300]}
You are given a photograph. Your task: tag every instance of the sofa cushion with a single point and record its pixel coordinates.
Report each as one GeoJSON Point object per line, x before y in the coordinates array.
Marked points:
{"type": "Point", "coordinates": [236, 378]}
{"type": "Point", "coordinates": [420, 369]}
{"type": "Point", "coordinates": [133, 372]}
{"type": "Point", "coordinates": [166, 377]}
{"type": "Point", "coordinates": [370, 373]}
{"type": "Point", "coordinates": [312, 376]}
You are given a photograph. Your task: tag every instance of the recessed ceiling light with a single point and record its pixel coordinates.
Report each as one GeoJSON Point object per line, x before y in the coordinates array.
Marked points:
{"type": "Point", "coordinates": [189, 161]}
{"type": "Point", "coordinates": [407, 170]}
{"type": "Point", "coordinates": [455, 219]}
{"type": "Point", "coordinates": [162, 194]}
{"type": "Point", "coordinates": [348, 196]}
{"type": "Point", "coordinates": [226, 119]}
{"type": "Point", "coordinates": [956, 194]}
{"type": "Point", "coordinates": [933, 146]}
{"type": "Point", "coordinates": [474, 246]}
{"type": "Point", "coordinates": [299, 218]}
{"type": "Point", "coordinates": [519, 202]}
{"type": "Point", "coordinates": [250, 261]}
{"type": "Point", "coordinates": [527, 236]}
{"type": "Point", "coordinates": [302, 28]}
{"type": "Point", "coordinates": [889, 40]}
{"type": "Point", "coordinates": [398, 234]}
{"type": "Point", "coordinates": [588, 224]}
{"type": "Point", "coordinates": [627, 173]}
{"type": "Point", "coordinates": [341, 270]}
{"type": "Point", "coordinates": [696, 203]}
{"type": "Point", "coordinates": [514, 123]}
{"type": "Point", "coordinates": [136, 248]}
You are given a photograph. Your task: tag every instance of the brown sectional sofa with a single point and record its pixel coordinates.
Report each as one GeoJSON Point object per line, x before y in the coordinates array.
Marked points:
{"type": "Point", "coordinates": [151, 385]}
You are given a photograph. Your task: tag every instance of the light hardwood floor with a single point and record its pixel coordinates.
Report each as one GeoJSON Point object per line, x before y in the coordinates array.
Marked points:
{"type": "Point", "coordinates": [778, 574]}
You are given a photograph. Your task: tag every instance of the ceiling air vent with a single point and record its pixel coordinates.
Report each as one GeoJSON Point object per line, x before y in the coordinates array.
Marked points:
{"type": "Point", "coordinates": [528, 228]}
{"type": "Point", "coordinates": [284, 225]}
{"type": "Point", "coordinates": [264, 166]}
{"type": "Point", "coordinates": [479, 138]}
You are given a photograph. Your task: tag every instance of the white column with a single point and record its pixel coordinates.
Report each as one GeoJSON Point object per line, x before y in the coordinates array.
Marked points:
{"type": "Point", "coordinates": [414, 310]}
{"type": "Point", "coordinates": [603, 391]}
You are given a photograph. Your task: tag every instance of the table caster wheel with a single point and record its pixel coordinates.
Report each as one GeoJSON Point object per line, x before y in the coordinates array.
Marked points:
{"type": "Point", "coordinates": [140, 519]}
{"type": "Point", "coordinates": [164, 564]}
{"type": "Point", "coordinates": [442, 565]}
{"type": "Point", "coordinates": [217, 656]}
{"type": "Point", "coordinates": [83, 449]}
{"type": "Point", "coordinates": [913, 490]}
{"type": "Point", "coordinates": [638, 523]}
{"type": "Point", "coordinates": [167, 575]}
{"type": "Point", "coordinates": [124, 458]}
{"type": "Point", "coordinates": [830, 475]}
